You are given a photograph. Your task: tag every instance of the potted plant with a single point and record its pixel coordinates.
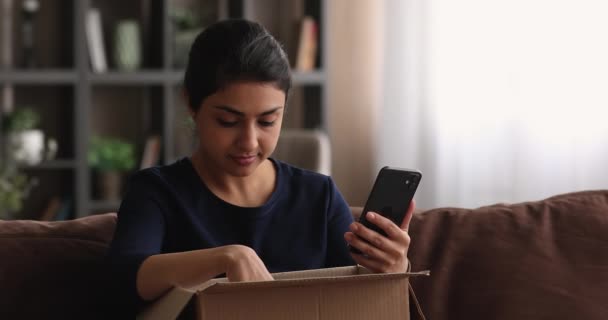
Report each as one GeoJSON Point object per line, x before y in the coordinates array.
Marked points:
{"type": "Point", "coordinates": [25, 141]}
{"type": "Point", "coordinates": [15, 186]}
{"type": "Point", "coordinates": [111, 157]}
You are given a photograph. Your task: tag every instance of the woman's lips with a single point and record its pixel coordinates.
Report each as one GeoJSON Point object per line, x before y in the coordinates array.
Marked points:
{"type": "Point", "coordinates": [244, 160]}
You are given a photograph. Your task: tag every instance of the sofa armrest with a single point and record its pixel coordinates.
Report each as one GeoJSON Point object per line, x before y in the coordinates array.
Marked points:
{"type": "Point", "coordinates": [55, 270]}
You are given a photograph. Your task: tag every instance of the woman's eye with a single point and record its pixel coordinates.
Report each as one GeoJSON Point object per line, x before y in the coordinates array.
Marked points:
{"type": "Point", "coordinates": [266, 123]}
{"type": "Point", "coordinates": [226, 124]}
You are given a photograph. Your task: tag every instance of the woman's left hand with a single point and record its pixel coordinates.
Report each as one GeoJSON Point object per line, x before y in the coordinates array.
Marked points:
{"type": "Point", "coordinates": [381, 253]}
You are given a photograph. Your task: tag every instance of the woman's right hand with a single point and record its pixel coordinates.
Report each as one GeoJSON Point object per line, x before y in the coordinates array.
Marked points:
{"type": "Point", "coordinates": [161, 272]}
{"type": "Point", "coordinates": [243, 264]}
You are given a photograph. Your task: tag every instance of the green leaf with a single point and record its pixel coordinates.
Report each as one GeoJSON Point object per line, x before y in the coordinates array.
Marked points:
{"type": "Point", "coordinates": [111, 154]}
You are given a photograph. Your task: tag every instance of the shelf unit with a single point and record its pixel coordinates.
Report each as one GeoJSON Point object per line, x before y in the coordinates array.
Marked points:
{"type": "Point", "coordinates": [134, 105]}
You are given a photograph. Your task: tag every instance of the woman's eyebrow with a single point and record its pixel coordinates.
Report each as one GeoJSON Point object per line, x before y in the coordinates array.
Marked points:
{"type": "Point", "coordinates": [231, 110]}
{"type": "Point", "coordinates": [271, 111]}
{"type": "Point", "coordinates": [242, 114]}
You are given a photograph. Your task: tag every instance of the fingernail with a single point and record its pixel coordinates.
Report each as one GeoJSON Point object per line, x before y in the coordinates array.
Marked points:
{"type": "Point", "coordinates": [371, 215]}
{"type": "Point", "coordinates": [353, 227]}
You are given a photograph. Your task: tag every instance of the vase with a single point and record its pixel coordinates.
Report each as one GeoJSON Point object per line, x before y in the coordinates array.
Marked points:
{"type": "Point", "coordinates": [127, 45]}
{"type": "Point", "coordinates": [27, 147]}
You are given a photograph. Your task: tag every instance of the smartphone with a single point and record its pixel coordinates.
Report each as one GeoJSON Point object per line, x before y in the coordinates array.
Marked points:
{"type": "Point", "coordinates": [391, 196]}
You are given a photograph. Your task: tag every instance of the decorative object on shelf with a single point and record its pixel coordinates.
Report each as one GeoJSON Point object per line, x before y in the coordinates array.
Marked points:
{"type": "Point", "coordinates": [306, 57]}
{"type": "Point", "coordinates": [151, 153]}
{"type": "Point", "coordinates": [24, 141]}
{"type": "Point", "coordinates": [94, 32]}
{"type": "Point", "coordinates": [127, 45]}
{"type": "Point", "coordinates": [51, 149]}
{"type": "Point", "coordinates": [111, 157]}
{"type": "Point", "coordinates": [186, 26]}
{"type": "Point", "coordinates": [29, 9]}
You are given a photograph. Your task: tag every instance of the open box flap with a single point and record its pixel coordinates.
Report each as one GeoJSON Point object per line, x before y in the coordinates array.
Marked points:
{"type": "Point", "coordinates": [169, 306]}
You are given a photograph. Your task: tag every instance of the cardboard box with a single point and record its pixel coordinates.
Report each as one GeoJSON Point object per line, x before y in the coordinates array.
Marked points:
{"type": "Point", "coordinates": [337, 293]}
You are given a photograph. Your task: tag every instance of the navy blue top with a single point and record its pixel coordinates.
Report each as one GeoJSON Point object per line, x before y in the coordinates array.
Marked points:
{"type": "Point", "coordinates": [169, 209]}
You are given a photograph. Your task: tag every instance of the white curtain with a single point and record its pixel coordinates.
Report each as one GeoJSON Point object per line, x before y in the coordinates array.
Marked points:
{"type": "Point", "coordinates": [496, 101]}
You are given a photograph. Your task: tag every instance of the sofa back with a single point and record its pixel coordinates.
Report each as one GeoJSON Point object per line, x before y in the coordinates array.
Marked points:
{"type": "Point", "coordinates": [536, 260]}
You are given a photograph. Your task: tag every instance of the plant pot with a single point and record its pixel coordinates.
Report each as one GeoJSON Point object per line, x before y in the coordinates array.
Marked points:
{"type": "Point", "coordinates": [110, 183]}
{"type": "Point", "coordinates": [27, 146]}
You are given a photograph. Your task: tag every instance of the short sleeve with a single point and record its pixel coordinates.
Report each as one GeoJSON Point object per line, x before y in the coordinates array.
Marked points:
{"type": "Point", "coordinates": [140, 231]}
{"type": "Point", "coordinates": [339, 219]}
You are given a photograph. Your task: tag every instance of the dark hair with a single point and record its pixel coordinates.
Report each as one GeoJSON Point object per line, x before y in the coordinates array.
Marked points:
{"type": "Point", "coordinates": [234, 50]}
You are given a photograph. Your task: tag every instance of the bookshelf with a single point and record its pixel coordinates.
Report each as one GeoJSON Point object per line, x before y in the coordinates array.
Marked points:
{"type": "Point", "coordinates": [77, 103]}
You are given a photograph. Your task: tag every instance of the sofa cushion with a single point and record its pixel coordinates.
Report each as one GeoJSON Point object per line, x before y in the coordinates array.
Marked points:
{"type": "Point", "coordinates": [54, 270]}
{"type": "Point", "coordinates": [535, 260]}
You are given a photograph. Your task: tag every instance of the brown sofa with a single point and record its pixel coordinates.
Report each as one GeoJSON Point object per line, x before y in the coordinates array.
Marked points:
{"type": "Point", "coordinates": [536, 260]}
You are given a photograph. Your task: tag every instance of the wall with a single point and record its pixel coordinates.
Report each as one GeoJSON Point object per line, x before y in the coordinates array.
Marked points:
{"type": "Point", "coordinates": [355, 42]}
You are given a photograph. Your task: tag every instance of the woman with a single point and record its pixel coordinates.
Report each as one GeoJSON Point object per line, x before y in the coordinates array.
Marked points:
{"type": "Point", "coordinates": [229, 209]}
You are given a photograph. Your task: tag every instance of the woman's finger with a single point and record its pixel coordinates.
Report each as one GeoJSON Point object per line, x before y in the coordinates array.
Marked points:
{"type": "Point", "coordinates": [367, 248]}
{"type": "Point", "coordinates": [368, 263]}
{"type": "Point", "coordinates": [389, 227]}
{"type": "Point", "coordinates": [405, 224]}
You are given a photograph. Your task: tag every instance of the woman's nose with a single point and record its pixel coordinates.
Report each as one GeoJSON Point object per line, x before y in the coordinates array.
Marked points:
{"type": "Point", "coordinates": [248, 138]}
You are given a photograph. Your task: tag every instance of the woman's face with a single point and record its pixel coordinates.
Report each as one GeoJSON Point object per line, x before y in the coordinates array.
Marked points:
{"type": "Point", "coordinates": [238, 127]}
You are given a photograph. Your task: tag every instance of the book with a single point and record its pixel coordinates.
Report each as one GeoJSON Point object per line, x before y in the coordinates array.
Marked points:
{"type": "Point", "coordinates": [306, 55]}
{"type": "Point", "coordinates": [94, 33]}
{"type": "Point", "coordinates": [51, 210]}
{"type": "Point", "coordinates": [66, 210]}
{"type": "Point", "coordinates": [151, 153]}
